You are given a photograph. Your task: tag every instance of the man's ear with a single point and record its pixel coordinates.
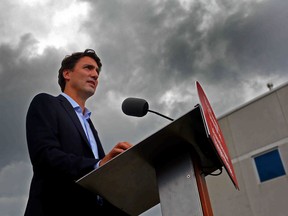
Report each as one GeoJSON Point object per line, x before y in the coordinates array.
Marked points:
{"type": "Point", "coordinates": [66, 74]}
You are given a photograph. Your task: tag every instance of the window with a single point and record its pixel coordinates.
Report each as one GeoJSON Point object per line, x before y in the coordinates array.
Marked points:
{"type": "Point", "coordinates": [269, 165]}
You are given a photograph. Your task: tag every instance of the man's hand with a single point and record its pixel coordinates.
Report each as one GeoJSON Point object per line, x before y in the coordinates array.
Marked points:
{"type": "Point", "coordinates": [118, 149]}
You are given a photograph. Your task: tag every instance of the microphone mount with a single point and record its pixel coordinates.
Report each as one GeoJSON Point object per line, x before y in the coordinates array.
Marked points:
{"type": "Point", "coordinates": [157, 113]}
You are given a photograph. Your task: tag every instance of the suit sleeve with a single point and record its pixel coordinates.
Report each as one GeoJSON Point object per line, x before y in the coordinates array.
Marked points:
{"type": "Point", "coordinates": [45, 150]}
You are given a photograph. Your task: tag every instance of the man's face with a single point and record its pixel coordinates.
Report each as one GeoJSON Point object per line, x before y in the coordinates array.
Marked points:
{"type": "Point", "coordinates": [83, 78]}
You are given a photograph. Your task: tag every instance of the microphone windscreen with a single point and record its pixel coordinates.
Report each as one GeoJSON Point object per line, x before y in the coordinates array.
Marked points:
{"type": "Point", "coordinates": [135, 107]}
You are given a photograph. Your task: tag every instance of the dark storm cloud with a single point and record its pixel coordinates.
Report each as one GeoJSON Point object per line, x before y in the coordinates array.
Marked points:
{"type": "Point", "coordinates": [258, 40]}
{"type": "Point", "coordinates": [143, 44]}
{"type": "Point", "coordinates": [250, 40]}
{"type": "Point", "coordinates": [22, 74]}
{"type": "Point", "coordinates": [148, 48]}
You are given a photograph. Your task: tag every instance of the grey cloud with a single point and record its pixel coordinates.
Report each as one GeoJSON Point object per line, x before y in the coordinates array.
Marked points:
{"type": "Point", "coordinates": [258, 41]}
{"type": "Point", "coordinates": [22, 75]}
{"type": "Point", "coordinates": [136, 46]}
{"type": "Point", "coordinates": [150, 47]}
{"type": "Point", "coordinates": [254, 41]}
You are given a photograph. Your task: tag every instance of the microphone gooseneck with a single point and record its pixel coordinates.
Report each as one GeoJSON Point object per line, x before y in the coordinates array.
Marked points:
{"type": "Point", "coordinates": [157, 113]}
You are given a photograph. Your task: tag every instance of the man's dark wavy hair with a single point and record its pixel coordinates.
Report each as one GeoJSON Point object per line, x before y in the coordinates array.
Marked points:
{"type": "Point", "coordinates": [70, 61]}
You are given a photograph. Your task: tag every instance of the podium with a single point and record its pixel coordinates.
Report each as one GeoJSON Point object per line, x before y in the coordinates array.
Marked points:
{"type": "Point", "coordinates": [167, 167]}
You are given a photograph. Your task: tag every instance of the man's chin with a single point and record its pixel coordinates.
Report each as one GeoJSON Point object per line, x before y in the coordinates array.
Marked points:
{"type": "Point", "coordinates": [89, 92]}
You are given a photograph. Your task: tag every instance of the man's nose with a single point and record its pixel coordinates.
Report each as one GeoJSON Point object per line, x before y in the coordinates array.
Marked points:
{"type": "Point", "coordinates": [94, 74]}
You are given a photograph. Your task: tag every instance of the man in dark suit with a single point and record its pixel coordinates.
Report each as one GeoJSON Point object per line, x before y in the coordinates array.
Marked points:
{"type": "Point", "coordinates": [64, 145]}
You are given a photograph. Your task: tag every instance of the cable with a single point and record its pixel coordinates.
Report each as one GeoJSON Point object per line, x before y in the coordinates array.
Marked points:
{"type": "Point", "coordinates": [217, 174]}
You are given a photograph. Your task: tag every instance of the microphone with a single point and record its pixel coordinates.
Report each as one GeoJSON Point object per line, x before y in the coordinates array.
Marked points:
{"type": "Point", "coordinates": [135, 107]}
{"type": "Point", "coordinates": [138, 107]}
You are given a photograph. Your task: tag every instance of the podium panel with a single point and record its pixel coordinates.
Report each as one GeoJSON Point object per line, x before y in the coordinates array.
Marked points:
{"type": "Point", "coordinates": [178, 188]}
{"type": "Point", "coordinates": [129, 180]}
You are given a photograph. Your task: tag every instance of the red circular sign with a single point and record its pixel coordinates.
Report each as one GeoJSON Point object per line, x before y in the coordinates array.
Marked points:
{"type": "Point", "coordinates": [215, 134]}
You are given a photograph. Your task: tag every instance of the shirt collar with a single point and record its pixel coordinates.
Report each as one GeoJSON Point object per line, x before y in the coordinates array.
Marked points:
{"type": "Point", "coordinates": [76, 106]}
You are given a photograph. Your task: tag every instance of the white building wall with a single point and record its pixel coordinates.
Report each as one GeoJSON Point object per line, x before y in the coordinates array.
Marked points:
{"type": "Point", "coordinates": [256, 127]}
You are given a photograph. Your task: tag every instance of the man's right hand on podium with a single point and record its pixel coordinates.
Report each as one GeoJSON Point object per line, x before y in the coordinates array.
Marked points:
{"type": "Point", "coordinates": [118, 149]}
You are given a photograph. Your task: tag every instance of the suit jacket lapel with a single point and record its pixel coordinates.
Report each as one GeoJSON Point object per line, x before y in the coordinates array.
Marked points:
{"type": "Point", "coordinates": [99, 145]}
{"type": "Point", "coordinates": [71, 112]}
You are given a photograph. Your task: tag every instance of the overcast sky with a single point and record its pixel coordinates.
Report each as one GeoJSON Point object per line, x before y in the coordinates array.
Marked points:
{"type": "Point", "coordinates": [153, 49]}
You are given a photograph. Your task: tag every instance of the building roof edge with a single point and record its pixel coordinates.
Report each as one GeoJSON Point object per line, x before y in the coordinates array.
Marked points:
{"type": "Point", "coordinates": [252, 100]}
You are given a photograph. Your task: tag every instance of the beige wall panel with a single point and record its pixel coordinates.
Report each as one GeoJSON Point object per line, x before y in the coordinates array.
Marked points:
{"type": "Point", "coordinates": [258, 124]}
{"type": "Point", "coordinates": [283, 98]}
{"type": "Point", "coordinates": [225, 199]}
{"type": "Point", "coordinates": [225, 127]}
{"type": "Point", "coordinates": [267, 198]}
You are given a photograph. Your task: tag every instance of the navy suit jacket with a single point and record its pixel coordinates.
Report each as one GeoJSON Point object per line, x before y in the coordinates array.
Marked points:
{"type": "Point", "coordinates": [60, 154]}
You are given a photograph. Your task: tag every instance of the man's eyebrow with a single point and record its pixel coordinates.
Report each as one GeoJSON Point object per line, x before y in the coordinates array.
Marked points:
{"type": "Point", "coordinates": [91, 66]}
